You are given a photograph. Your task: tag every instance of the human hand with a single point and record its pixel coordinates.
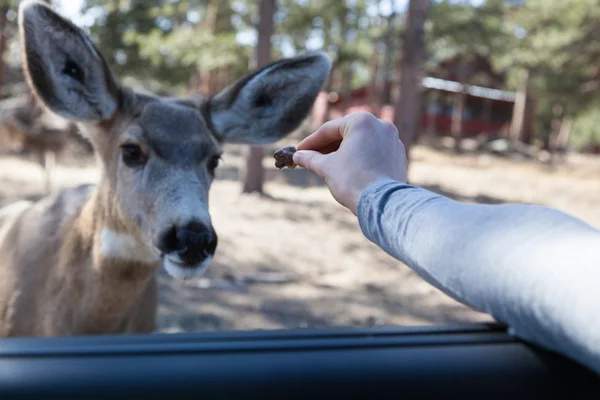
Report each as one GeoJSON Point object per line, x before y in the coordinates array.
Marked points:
{"type": "Point", "coordinates": [351, 153]}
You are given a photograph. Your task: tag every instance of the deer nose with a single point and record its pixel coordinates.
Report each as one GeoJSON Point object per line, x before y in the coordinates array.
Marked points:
{"type": "Point", "coordinates": [193, 243]}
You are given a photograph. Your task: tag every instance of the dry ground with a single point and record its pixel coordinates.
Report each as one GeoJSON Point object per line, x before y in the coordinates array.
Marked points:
{"type": "Point", "coordinates": [294, 258]}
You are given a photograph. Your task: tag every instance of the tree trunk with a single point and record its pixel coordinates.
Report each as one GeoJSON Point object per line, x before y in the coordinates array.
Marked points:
{"type": "Point", "coordinates": [529, 120]}
{"type": "Point", "coordinates": [561, 139]}
{"type": "Point", "coordinates": [224, 77]}
{"type": "Point", "coordinates": [456, 127]}
{"type": "Point", "coordinates": [335, 80]}
{"type": "Point", "coordinates": [552, 140]}
{"type": "Point", "coordinates": [374, 62]}
{"type": "Point", "coordinates": [194, 83]}
{"type": "Point", "coordinates": [3, 44]}
{"type": "Point", "coordinates": [347, 88]}
{"type": "Point", "coordinates": [216, 21]}
{"type": "Point", "coordinates": [373, 72]}
{"type": "Point", "coordinates": [518, 117]}
{"type": "Point", "coordinates": [408, 106]}
{"type": "Point", "coordinates": [458, 106]}
{"type": "Point", "coordinates": [254, 176]}
{"type": "Point", "coordinates": [329, 84]}
{"type": "Point", "coordinates": [388, 65]}
{"type": "Point", "coordinates": [345, 70]}
{"type": "Point", "coordinates": [204, 87]}
{"type": "Point", "coordinates": [430, 103]}
{"type": "Point", "coordinates": [564, 134]}
{"type": "Point", "coordinates": [327, 104]}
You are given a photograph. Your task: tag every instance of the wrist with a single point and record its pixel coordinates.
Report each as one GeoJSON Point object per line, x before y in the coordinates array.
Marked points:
{"type": "Point", "coordinates": [358, 190]}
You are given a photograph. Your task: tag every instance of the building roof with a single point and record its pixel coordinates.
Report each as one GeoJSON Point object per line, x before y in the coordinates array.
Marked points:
{"type": "Point", "coordinates": [473, 90]}
{"type": "Point", "coordinates": [430, 82]}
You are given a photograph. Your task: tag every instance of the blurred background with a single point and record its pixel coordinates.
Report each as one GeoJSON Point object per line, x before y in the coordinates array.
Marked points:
{"type": "Point", "coordinates": [496, 101]}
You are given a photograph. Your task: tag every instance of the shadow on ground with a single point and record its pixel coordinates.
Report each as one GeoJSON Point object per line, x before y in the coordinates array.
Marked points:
{"type": "Point", "coordinates": [266, 294]}
{"type": "Point", "coordinates": [224, 302]}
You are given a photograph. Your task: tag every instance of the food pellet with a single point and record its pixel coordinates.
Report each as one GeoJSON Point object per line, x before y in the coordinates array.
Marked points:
{"type": "Point", "coordinates": [284, 157]}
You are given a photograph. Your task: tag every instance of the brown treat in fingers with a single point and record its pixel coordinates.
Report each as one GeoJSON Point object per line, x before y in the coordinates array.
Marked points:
{"type": "Point", "coordinates": [284, 157]}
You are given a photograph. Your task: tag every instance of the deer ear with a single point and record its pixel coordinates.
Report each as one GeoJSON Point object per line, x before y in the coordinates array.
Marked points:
{"type": "Point", "coordinates": [63, 67]}
{"type": "Point", "coordinates": [271, 103]}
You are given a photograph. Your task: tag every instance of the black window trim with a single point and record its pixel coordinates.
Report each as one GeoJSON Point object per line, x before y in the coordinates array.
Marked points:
{"type": "Point", "coordinates": [466, 361]}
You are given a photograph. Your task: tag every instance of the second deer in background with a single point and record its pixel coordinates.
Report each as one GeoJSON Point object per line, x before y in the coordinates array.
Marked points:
{"type": "Point", "coordinates": [26, 126]}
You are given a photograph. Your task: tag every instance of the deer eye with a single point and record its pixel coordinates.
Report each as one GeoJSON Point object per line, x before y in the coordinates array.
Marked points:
{"type": "Point", "coordinates": [133, 156]}
{"type": "Point", "coordinates": [213, 162]}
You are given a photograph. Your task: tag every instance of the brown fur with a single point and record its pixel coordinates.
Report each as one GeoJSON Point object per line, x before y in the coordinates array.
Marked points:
{"type": "Point", "coordinates": [75, 296]}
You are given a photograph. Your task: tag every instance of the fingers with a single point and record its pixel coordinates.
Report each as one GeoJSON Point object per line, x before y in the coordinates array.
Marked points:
{"type": "Point", "coordinates": [331, 147]}
{"type": "Point", "coordinates": [329, 132]}
{"type": "Point", "coordinates": [310, 160]}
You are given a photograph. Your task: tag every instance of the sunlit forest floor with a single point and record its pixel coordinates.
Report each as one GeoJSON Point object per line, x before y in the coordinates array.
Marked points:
{"type": "Point", "coordinates": [295, 258]}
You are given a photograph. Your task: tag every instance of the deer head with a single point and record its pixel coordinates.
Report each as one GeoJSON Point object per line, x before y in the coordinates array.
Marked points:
{"type": "Point", "coordinates": [158, 155]}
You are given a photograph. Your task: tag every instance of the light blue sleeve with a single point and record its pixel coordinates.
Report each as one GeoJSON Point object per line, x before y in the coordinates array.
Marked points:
{"type": "Point", "coordinates": [532, 268]}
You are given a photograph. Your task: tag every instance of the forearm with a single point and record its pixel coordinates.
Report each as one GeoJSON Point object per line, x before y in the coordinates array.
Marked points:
{"type": "Point", "coordinates": [531, 267]}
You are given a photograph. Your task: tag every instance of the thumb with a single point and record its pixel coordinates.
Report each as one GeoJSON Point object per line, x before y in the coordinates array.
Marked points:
{"type": "Point", "coordinates": [310, 160]}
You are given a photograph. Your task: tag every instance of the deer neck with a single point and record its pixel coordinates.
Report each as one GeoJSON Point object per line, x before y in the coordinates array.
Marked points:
{"type": "Point", "coordinates": [118, 239]}
{"type": "Point", "coordinates": [112, 262]}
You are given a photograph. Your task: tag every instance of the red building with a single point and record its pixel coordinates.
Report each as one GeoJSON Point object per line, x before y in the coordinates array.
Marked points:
{"type": "Point", "coordinates": [486, 110]}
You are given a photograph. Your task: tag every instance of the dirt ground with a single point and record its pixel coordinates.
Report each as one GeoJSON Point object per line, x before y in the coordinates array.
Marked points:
{"type": "Point", "coordinates": [294, 258]}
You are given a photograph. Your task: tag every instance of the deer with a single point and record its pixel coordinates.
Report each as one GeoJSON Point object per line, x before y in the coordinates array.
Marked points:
{"type": "Point", "coordinates": [31, 127]}
{"type": "Point", "coordinates": [83, 260]}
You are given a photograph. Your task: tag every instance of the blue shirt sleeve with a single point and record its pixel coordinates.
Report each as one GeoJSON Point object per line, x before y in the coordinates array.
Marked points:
{"type": "Point", "coordinates": [531, 267]}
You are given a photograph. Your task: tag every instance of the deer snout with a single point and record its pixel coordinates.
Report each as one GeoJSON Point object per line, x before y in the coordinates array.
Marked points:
{"type": "Point", "coordinates": [189, 245]}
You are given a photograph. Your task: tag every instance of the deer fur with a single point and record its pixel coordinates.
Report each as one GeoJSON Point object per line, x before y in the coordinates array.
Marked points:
{"type": "Point", "coordinates": [83, 260]}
